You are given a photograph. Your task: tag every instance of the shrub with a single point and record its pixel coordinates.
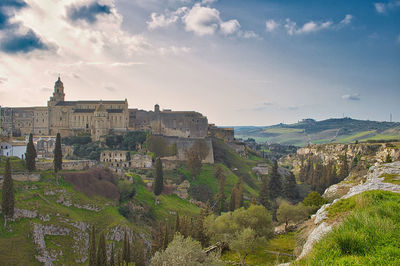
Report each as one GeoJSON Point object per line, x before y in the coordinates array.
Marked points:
{"type": "Point", "coordinates": [314, 199]}
{"type": "Point", "coordinates": [126, 190]}
{"type": "Point", "coordinates": [201, 192]}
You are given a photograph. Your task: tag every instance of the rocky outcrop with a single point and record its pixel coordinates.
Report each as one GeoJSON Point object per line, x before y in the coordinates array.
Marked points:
{"type": "Point", "coordinates": [369, 153]}
{"type": "Point", "coordinates": [373, 181]}
{"type": "Point", "coordinates": [39, 232]}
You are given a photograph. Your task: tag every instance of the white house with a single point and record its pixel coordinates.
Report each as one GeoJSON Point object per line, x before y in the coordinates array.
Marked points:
{"type": "Point", "coordinates": [13, 148]}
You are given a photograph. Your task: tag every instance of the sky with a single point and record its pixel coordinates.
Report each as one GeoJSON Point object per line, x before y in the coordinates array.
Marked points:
{"type": "Point", "coordinates": [238, 62]}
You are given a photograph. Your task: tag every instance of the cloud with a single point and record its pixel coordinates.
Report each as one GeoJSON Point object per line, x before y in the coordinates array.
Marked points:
{"type": "Point", "coordinates": [248, 35]}
{"type": "Point", "coordinates": [202, 20]}
{"type": "Point", "coordinates": [382, 8]}
{"type": "Point", "coordinates": [230, 27]}
{"type": "Point", "coordinates": [347, 20]}
{"type": "Point", "coordinates": [25, 43]}
{"type": "Point", "coordinates": [165, 20]}
{"type": "Point", "coordinates": [271, 25]}
{"type": "Point", "coordinates": [16, 37]}
{"type": "Point", "coordinates": [88, 12]}
{"type": "Point", "coordinates": [315, 26]}
{"type": "Point", "coordinates": [351, 97]}
{"type": "Point", "coordinates": [205, 2]}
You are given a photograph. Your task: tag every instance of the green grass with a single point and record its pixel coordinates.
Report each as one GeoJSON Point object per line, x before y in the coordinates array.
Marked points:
{"type": "Point", "coordinates": [391, 178]}
{"type": "Point", "coordinates": [353, 137]}
{"type": "Point", "coordinates": [17, 165]}
{"type": "Point", "coordinates": [261, 256]}
{"type": "Point", "coordinates": [369, 235]}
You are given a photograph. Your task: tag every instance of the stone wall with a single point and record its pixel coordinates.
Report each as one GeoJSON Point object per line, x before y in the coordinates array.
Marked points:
{"type": "Point", "coordinates": [184, 144]}
{"type": "Point", "coordinates": [67, 165]}
{"type": "Point", "coordinates": [24, 177]}
{"type": "Point", "coordinates": [226, 134]}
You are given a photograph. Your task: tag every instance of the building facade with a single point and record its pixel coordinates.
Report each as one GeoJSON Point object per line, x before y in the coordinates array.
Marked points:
{"type": "Point", "coordinates": [99, 118]}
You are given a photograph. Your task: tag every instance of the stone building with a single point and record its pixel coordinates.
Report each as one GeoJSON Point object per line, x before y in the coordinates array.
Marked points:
{"type": "Point", "coordinates": [117, 158]}
{"type": "Point", "coordinates": [98, 118]}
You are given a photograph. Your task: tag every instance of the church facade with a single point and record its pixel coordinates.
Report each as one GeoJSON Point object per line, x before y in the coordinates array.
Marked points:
{"type": "Point", "coordinates": [99, 118]}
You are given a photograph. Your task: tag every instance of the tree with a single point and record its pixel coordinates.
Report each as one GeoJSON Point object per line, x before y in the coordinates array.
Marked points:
{"type": "Point", "coordinates": [159, 179]}
{"type": "Point", "coordinates": [126, 251]}
{"type": "Point", "coordinates": [263, 197]}
{"type": "Point", "coordinates": [232, 200]}
{"type": "Point", "coordinates": [8, 197]}
{"type": "Point", "coordinates": [314, 199]}
{"type": "Point", "coordinates": [220, 198]}
{"type": "Point", "coordinates": [239, 195]}
{"type": "Point", "coordinates": [112, 255]}
{"type": "Point", "coordinates": [92, 248]}
{"type": "Point", "coordinates": [183, 251]}
{"type": "Point", "coordinates": [245, 242]}
{"type": "Point", "coordinates": [30, 155]}
{"type": "Point", "coordinates": [58, 154]}
{"type": "Point", "coordinates": [196, 154]}
{"type": "Point", "coordinates": [101, 251]}
{"type": "Point", "coordinates": [344, 167]}
{"type": "Point", "coordinates": [291, 213]}
{"type": "Point", "coordinates": [290, 188]}
{"type": "Point", "coordinates": [275, 185]}
{"type": "Point", "coordinates": [128, 156]}
{"type": "Point", "coordinates": [139, 252]}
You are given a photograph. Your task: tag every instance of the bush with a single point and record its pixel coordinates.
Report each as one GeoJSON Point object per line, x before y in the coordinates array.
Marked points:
{"type": "Point", "coordinates": [201, 192]}
{"type": "Point", "coordinates": [314, 199]}
{"type": "Point", "coordinates": [94, 182]}
{"type": "Point", "coordinates": [126, 190]}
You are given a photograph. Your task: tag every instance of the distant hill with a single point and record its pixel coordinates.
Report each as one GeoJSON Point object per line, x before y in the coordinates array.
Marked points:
{"type": "Point", "coordinates": [342, 130]}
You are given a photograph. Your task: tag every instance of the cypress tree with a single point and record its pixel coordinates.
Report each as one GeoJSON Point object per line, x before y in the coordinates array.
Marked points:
{"type": "Point", "coordinates": [126, 252]}
{"type": "Point", "coordinates": [239, 196]}
{"type": "Point", "coordinates": [58, 154]}
{"type": "Point", "coordinates": [344, 168]}
{"type": "Point", "coordinates": [177, 227]}
{"type": "Point", "coordinates": [30, 155]}
{"type": "Point", "coordinates": [275, 185]}
{"type": "Point", "coordinates": [221, 190]}
{"type": "Point", "coordinates": [233, 198]}
{"type": "Point", "coordinates": [112, 255]}
{"type": "Point", "coordinates": [92, 248]}
{"type": "Point", "coordinates": [101, 251]}
{"type": "Point", "coordinates": [159, 179]}
{"type": "Point", "coordinates": [139, 257]}
{"type": "Point", "coordinates": [165, 238]}
{"type": "Point", "coordinates": [264, 194]}
{"type": "Point", "coordinates": [289, 188]}
{"type": "Point", "coordinates": [8, 197]}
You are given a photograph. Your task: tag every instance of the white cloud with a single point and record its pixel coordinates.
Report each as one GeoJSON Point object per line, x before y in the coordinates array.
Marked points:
{"type": "Point", "coordinates": [382, 8]}
{"type": "Point", "coordinates": [271, 25]}
{"type": "Point", "coordinates": [202, 20]}
{"type": "Point", "coordinates": [165, 20]}
{"type": "Point", "coordinates": [230, 27]}
{"type": "Point", "coordinates": [315, 26]}
{"type": "Point", "coordinates": [205, 2]}
{"type": "Point", "coordinates": [351, 97]}
{"type": "Point", "coordinates": [248, 35]}
{"type": "Point", "coordinates": [347, 20]}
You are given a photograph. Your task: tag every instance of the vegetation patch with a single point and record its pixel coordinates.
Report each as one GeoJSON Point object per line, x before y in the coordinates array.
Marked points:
{"type": "Point", "coordinates": [391, 178]}
{"type": "Point", "coordinates": [368, 236]}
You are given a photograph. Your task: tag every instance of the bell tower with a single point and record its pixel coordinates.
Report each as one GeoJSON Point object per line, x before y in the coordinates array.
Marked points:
{"type": "Point", "coordinates": [58, 94]}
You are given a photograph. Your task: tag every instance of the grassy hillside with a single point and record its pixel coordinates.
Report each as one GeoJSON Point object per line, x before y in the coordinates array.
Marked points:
{"type": "Point", "coordinates": [369, 234]}
{"type": "Point", "coordinates": [327, 131]}
{"type": "Point", "coordinates": [64, 208]}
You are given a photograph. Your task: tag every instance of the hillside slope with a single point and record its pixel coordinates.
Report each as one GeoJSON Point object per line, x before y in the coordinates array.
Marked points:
{"type": "Point", "coordinates": [362, 227]}
{"type": "Point", "coordinates": [344, 130]}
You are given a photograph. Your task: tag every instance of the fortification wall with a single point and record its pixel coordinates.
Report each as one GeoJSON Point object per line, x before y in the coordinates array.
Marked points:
{"type": "Point", "coordinates": [184, 144]}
